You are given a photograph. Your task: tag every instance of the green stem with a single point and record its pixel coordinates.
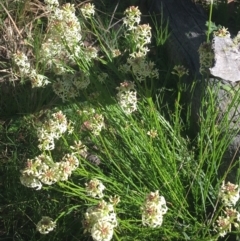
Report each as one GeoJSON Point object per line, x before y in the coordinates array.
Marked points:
{"type": "Point", "coordinates": [209, 21]}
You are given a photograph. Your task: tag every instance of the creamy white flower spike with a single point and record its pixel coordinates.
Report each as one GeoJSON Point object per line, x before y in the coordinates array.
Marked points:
{"type": "Point", "coordinates": [127, 97]}
{"type": "Point", "coordinates": [64, 29]}
{"type": "Point", "coordinates": [28, 72]}
{"type": "Point", "coordinates": [132, 17]}
{"type": "Point", "coordinates": [88, 10]}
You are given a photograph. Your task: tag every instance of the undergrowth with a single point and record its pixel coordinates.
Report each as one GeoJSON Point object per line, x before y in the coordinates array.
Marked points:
{"type": "Point", "coordinates": [94, 144]}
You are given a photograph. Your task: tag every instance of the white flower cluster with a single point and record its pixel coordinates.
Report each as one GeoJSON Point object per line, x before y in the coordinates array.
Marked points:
{"type": "Point", "coordinates": [152, 133]}
{"type": "Point", "coordinates": [116, 53]}
{"type": "Point", "coordinates": [80, 149]}
{"type": "Point", "coordinates": [127, 97]}
{"type": "Point", "coordinates": [140, 34]}
{"type": "Point", "coordinates": [132, 17]}
{"type": "Point", "coordinates": [26, 71]}
{"type": "Point", "coordinates": [236, 39]}
{"type": "Point", "coordinates": [64, 30]}
{"type": "Point", "coordinates": [52, 3]}
{"type": "Point", "coordinates": [51, 129]}
{"type": "Point", "coordinates": [21, 60]}
{"type": "Point", "coordinates": [206, 57]}
{"type": "Point", "coordinates": [140, 67]}
{"type": "Point", "coordinates": [88, 10]}
{"type": "Point", "coordinates": [180, 71]}
{"type": "Point", "coordinates": [92, 121]}
{"type": "Point", "coordinates": [102, 77]}
{"type": "Point", "coordinates": [224, 223]}
{"type": "Point", "coordinates": [95, 124]}
{"type": "Point", "coordinates": [229, 194]}
{"type": "Point", "coordinates": [95, 188]}
{"type": "Point", "coordinates": [90, 53]}
{"type": "Point", "coordinates": [69, 85]}
{"type": "Point", "coordinates": [153, 210]}
{"type": "Point", "coordinates": [222, 32]}
{"type": "Point", "coordinates": [64, 40]}
{"type": "Point", "coordinates": [45, 225]}
{"type": "Point", "coordinates": [101, 220]}
{"type": "Point", "coordinates": [43, 170]}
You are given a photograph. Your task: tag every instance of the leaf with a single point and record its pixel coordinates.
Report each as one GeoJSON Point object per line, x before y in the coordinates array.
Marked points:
{"type": "Point", "coordinates": [227, 58]}
{"type": "Point", "coordinates": [213, 26]}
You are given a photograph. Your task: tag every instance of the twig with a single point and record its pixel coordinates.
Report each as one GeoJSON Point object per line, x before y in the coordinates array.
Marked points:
{"type": "Point", "coordinates": [11, 20]}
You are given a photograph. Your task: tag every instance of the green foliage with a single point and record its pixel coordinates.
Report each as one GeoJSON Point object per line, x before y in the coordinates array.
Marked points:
{"type": "Point", "coordinates": [132, 154]}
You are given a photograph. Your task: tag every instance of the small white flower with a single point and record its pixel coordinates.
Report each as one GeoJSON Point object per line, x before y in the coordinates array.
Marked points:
{"type": "Point", "coordinates": [49, 175]}
{"type": "Point", "coordinates": [33, 167]}
{"type": "Point", "coordinates": [30, 181]}
{"type": "Point", "coordinates": [102, 77]}
{"type": "Point", "coordinates": [233, 215]}
{"type": "Point", "coordinates": [116, 53]}
{"type": "Point", "coordinates": [47, 144]}
{"type": "Point", "coordinates": [52, 2]}
{"type": "Point", "coordinates": [100, 220]}
{"type": "Point", "coordinates": [90, 53]}
{"type": "Point", "coordinates": [95, 188]}
{"type": "Point", "coordinates": [180, 71]}
{"type": "Point", "coordinates": [222, 32]}
{"type": "Point", "coordinates": [142, 35]}
{"type": "Point", "coordinates": [38, 80]}
{"type": "Point", "coordinates": [152, 133]}
{"type": "Point", "coordinates": [222, 226]}
{"type": "Point", "coordinates": [97, 124]}
{"type": "Point", "coordinates": [80, 148]}
{"type": "Point", "coordinates": [81, 83]}
{"type": "Point", "coordinates": [229, 193]}
{"type": "Point", "coordinates": [132, 17]}
{"type": "Point", "coordinates": [152, 216]}
{"type": "Point", "coordinates": [21, 60]}
{"type": "Point", "coordinates": [52, 128]}
{"type": "Point", "coordinates": [141, 68]}
{"type": "Point", "coordinates": [64, 170]}
{"type": "Point", "coordinates": [102, 231]}
{"type": "Point", "coordinates": [71, 160]}
{"type": "Point", "coordinates": [153, 210]}
{"type": "Point", "coordinates": [88, 10]}
{"type": "Point", "coordinates": [114, 200]}
{"type": "Point", "coordinates": [64, 28]}
{"type": "Point", "coordinates": [45, 225]}
{"type": "Point", "coordinates": [127, 97]}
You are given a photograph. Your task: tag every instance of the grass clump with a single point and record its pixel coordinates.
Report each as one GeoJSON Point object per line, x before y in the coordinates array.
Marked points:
{"type": "Point", "coordinates": [100, 155]}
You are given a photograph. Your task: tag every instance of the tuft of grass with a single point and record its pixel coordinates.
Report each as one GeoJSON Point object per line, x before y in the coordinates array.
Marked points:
{"type": "Point", "coordinates": [126, 157]}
